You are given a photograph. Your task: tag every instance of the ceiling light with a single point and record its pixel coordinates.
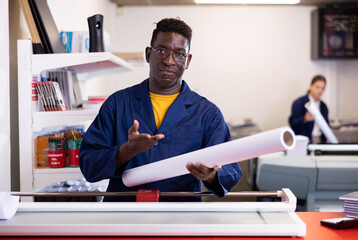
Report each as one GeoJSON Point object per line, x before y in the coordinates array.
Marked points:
{"type": "Point", "coordinates": [247, 1]}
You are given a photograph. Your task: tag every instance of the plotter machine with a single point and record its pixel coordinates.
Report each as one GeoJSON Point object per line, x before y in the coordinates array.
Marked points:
{"type": "Point", "coordinates": [153, 218]}
{"type": "Point", "coordinates": [325, 173]}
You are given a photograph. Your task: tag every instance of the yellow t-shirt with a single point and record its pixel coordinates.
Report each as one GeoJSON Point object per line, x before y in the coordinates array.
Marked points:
{"type": "Point", "coordinates": [160, 104]}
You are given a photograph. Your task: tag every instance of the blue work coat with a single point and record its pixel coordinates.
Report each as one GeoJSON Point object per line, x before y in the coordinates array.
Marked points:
{"type": "Point", "coordinates": [297, 118]}
{"type": "Point", "coordinates": [191, 123]}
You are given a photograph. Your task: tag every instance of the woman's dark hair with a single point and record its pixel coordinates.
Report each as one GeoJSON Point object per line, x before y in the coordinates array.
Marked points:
{"type": "Point", "coordinates": [172, 25]}
{"type": "Point", "coordinates": [316, 79]}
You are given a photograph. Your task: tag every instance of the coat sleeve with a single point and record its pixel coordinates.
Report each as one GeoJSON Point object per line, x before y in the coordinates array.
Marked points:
{"type": "Point", "coordinates": [216, 133]}
{"type": "Point", "coordinates": [297, 119]}
{"type": "Point", "coordinates": [98, 152]}
{"type": "Point", "coordinates": [324, 112]}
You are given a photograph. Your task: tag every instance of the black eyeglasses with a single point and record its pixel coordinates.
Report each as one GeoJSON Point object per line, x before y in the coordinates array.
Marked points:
{"type": "Point", "coordinates": [178, 56]}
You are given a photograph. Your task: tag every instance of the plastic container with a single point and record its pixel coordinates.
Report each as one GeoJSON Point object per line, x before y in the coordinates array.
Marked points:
{"type": "Point", "coordinates": [73, 159]}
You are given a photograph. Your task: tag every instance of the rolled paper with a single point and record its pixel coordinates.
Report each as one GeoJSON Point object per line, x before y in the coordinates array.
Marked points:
{"type": "Point", "coordinates": [275, 140]}
{"type": "Point", "coordinates": [321, 122]}
{"type": "Point", "coordinates": [8, 205]}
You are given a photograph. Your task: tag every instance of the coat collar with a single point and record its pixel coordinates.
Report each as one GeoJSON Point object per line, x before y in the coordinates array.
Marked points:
{"type": "Point", "coordinates": [189, 97]}
{"type": "Point", "coordinates": [176, 112]}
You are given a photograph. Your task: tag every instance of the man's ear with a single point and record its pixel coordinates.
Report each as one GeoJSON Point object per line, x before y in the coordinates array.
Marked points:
{"type": "Point", "coordinates": [147, 54]}
{"type": "Point", "coordinates": [188, 61]}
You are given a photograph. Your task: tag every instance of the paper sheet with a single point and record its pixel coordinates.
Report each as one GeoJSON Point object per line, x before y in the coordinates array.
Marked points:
{"type": "Point", "coordinates": [8, 205]}
{"type": "Point", "coordinates": [321, 122]}
{"type": "Point", "coordinates": [230, 152]}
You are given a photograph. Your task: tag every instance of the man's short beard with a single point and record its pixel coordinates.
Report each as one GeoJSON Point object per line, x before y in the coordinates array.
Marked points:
{"type": "Point", "coordinates": [167, 84]}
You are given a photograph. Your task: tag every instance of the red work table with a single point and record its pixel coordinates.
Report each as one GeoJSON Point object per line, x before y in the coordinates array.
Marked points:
{"type": "Point", "coordinates": [315, 231]}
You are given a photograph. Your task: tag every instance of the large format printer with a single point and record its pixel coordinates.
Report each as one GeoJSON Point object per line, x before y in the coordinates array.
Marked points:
{"type": "Point", "coordinates": [325, 173]}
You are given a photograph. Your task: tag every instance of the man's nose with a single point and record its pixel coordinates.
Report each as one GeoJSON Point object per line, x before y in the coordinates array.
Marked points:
{"type": "Point", "coordinates": [169, 60]}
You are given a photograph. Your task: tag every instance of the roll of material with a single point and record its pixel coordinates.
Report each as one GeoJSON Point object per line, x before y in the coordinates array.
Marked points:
{"type": "Point", "coordinates": [8, 205]}
{"type": "Point", "coordinates": [321, 122]}
{"type": "Point", "coordinates": [275, 140]}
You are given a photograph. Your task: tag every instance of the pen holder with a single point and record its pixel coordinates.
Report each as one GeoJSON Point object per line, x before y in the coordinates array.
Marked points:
{"type": "Point", "coordinates": [73, 157]}
{"type": "Point", "coordinates": [57, 159]}
{"type": "Point", "coordinates": [95, 24]}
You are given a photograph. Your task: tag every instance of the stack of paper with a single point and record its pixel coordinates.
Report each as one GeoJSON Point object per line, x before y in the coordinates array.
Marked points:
{"type": "Point", "coordinates": [350, 204]}
{"type": "Point", "coordinates": [301, 146]}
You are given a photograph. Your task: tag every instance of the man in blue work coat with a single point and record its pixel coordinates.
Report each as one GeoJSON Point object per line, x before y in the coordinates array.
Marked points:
{"type": "Point", "coordinates": [158, 119]}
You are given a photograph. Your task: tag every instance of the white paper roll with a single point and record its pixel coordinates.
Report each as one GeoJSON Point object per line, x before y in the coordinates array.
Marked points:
{"type": "Point", "coordinates": [275, 140]}
{"type": "Point", "coordinates": [8, 205]}
{"type": "Point", "coordinates": [321, 122]}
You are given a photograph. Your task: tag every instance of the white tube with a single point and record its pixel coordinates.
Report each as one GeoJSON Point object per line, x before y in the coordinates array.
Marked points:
{"type": "Point", "coordinates": [8, 205]}
{"type": "Point", "coordinates": [321, 122]}
{"type": "Point", "coordinates": [275, 140]}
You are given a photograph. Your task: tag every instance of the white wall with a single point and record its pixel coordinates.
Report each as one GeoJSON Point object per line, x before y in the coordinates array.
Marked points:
{"type": "Point", "coordinates": [71, 15]}
{"type": "Point", "coordinates": [347, 88]}
{"type": "Point", "coordinates": [4, 99]}
{"type": "Point", "coordinates": [252, 61]}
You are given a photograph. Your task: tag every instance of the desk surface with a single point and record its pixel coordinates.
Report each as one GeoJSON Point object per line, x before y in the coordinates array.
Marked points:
{"type": "Point", "coordinates": [316, 231]}
{"type": "Point", "coordinates": [312, 219]}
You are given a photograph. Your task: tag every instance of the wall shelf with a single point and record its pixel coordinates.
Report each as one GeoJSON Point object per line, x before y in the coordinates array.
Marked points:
{"type": "Point", "coordinates": [44, 176]}
{"type": "Point", "coordinates": [50, 119]}
{"type": "Point", "coordinates": [80, 62]}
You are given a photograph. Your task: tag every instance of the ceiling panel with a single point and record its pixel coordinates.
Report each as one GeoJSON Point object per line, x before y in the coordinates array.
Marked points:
{"type": "Point", "coordinates": [191, 2]}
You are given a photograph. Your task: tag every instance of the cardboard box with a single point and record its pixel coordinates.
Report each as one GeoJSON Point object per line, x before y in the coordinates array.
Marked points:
{"type": "Point", "coordinates": [42, 151]}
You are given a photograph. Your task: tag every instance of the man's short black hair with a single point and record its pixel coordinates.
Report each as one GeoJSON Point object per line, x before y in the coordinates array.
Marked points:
{"type": "Point", "coordinates": [172, 25]}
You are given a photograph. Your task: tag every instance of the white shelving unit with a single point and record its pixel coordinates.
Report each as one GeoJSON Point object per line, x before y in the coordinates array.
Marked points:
{"type": "Point", "coordinates": [31, 121]}
{"type": "Point", "coordinates": [43, 176]}
{"type": "Point", "coordinates": [50, 119]}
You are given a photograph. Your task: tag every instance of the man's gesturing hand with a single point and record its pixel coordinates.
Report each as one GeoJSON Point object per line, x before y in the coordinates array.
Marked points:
{"type": "Point", "coordinates": [137, 143]}
{"type": "Point", "coordinates": [141, 142]}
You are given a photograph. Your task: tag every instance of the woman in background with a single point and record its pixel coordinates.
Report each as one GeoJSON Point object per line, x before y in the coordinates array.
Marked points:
{"type": "Point", "coordinates": [301, 121]}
